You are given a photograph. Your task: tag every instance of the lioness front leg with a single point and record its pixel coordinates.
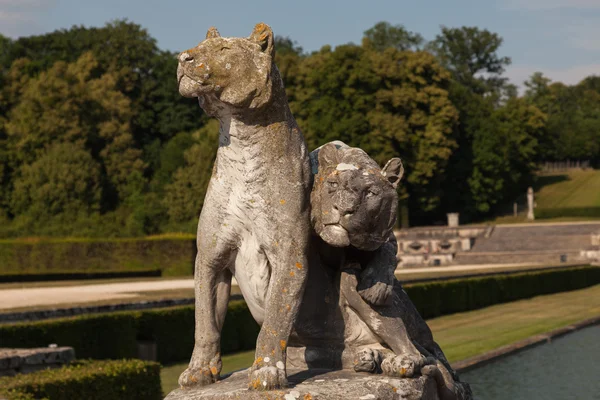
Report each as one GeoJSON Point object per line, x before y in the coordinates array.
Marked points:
{"type": "Point", "coordinates": [289, 271]}
{"type": "Point", "coordinates": [385, 323]}
{"type": "Point", "coordinates": [212, 281]}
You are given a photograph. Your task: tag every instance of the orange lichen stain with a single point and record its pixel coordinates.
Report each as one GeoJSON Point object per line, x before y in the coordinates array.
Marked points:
{"type": "Point", "coordinates": [394, 389]}
{"type": "Point", "coordinates": [282, 345]}
{"type": "Point", "coordinates": [282, 201]}
{"type": "Point", "coordinates": [264, 36]}
{"type": "Point", "coordinates": [260, 27]}
{"type": "Point", "coordinates": [288, 307]}
{"type": "Point", "coordinates": [213, 370]}
{"type": "Point", "coordinates": [276, 243]}
{"type": "Point", "coordinates": [298, 265]}
{"type": "Point", "coordinates": [255, 384]}
{"type": "Point", "coordinates": [259, 360]}
{"type": "Point", "coordinates": [403, 371]}
{"type": "Point", "coordinates": [307, 396]}
{"type": "Point", "coordinates": [321, 179]}
{"type": "Point", "coordinates": [292, 273]}
{"type": "Point", "coordinates": [325, 212]}
{"type": "Point", "coordinates": [273, 352]}
{"type": "Point", "coordinates": [193, 379]}
{"type": "Point", "coordinates": [284, 290]}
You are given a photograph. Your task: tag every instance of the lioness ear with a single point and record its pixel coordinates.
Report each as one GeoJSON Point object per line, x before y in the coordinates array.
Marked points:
{"type": "Point", "coordinates": [328, 155]}
{"type": "Point", "coordinates": [393, 171]}
{"type": "Point", "coordinates": [263, 36]}
{"type": "Point", "coordinates": [212, 33]}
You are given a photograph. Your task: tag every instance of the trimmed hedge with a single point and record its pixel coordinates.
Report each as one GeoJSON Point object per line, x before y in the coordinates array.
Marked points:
{"type": "Point", "coordinates": [583, 212]}
{"type": "Point", "coordinates": [172, 255]}
{"type": "Point", "coordinates": [447, 297]}
{"type": "Point", "coordinates": [89, 380]}
{"type": "Point", "coordinates": [70, 276]}
{"type": "Point", "coordinates": [115, 335]}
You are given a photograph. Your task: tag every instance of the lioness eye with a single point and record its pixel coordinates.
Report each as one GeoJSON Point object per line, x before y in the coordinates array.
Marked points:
{"type": "Point", "coordinates": [371, 193]}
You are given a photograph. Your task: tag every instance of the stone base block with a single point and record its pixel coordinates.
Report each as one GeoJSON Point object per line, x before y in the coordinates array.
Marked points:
{"type": "Point", "coordinates": [24, 361]}
{"type": "Point", "coordinates": [318, 385]}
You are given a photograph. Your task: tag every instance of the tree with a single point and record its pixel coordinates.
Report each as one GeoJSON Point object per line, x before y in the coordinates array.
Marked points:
{"type": "Point", "coordinates": [471, 55]}
{"type": "Point", "coordinates": [70, 104]}
{"type": "Point", "coordinates": [391, 103]}
{"type": "Point", "coordinates": [185, 196]}
{"type": "Point", "coordinates": [383, 35]}
{"type": "Point", "coordinates": [65, 180]}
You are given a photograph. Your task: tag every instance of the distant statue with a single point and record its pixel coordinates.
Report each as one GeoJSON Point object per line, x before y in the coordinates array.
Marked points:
{"type": "Point", "coordinates": [309, 241]}
{"type": "Point", "coordinates": [530, 204]}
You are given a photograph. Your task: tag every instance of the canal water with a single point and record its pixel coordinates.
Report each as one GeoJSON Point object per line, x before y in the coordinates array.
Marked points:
{"type": "Point", "coordinates": [568, 368]}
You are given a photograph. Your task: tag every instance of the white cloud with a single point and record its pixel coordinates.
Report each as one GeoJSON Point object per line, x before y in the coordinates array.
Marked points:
{"type": "Point", "coordinates": [552, 4]}
{"type": "Point", "coordinates": [570, 76]}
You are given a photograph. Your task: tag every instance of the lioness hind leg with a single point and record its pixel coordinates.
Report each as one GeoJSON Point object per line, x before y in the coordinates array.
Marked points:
{"type": "Point", "coordinates": [212, 286]}
{"type": "Point", "coordinates": [289, 266]}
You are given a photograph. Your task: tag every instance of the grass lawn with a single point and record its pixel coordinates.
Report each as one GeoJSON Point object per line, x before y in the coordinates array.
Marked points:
{"type": "Point", "coordinates": [569, 189]}
{"type": "Point", "coordinates": [572, 189]}
{"type": "Point", "coordinates": [471, 333]}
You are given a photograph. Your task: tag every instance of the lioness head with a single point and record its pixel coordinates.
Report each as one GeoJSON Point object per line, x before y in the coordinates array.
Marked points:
{"type": "Point", "coordinates": [233, 71]}
{"type": "Point", "coordinates": [354, 202]}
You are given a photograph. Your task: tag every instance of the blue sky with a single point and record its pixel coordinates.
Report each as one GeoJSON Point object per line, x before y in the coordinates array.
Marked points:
{"type": "Point", "coordinates": [558, 37]}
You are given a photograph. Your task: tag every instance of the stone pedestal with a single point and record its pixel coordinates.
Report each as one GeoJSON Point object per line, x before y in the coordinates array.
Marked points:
{"type": "Point", "coordinates": [453, 220]}
{"type": "Point", "coordinates": [318, 385]}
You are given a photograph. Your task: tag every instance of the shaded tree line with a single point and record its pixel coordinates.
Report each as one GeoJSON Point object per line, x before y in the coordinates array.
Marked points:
{"type": "Point", "coordinates": [96, 141]}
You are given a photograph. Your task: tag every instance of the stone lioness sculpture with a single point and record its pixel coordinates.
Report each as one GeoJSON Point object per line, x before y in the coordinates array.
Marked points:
{"type": "Point", "coordinates": [354, 207]}
{"type": "Point", "coordinates": [255, 222]}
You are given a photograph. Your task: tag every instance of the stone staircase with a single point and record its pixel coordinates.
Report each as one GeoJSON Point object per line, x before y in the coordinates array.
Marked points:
{"type": "Point", "coordinates": [560, 243]}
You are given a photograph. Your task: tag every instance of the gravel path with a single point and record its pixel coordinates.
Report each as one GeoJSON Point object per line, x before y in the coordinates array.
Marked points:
{"type": "Point", "coordinates": [29, 297]}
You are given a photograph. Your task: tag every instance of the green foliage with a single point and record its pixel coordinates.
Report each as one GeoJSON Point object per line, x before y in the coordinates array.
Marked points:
{"type": "Point", "coordinates": [65, 180]}
{"type": "Point", "coordinates": [185, 196]}
{"type": "Point", "coordinates": [573, 127]}
{"type": "Point", "coordinates": [67, 104]}
{"type": "Point", "coordinates": [391, 103]}
{"type": "Point", "coordinates": [173, 256]}
{"type": "Point", "coordinates": [115, 335]}
{"type": "Point", "coordinates": [383, 35]}
{"type": "Point", "coordinates": [470, 54]}
{"type": "Point", "coordinates": [88, 379]}
{"type": "Point", "coordinates": [140, 155]}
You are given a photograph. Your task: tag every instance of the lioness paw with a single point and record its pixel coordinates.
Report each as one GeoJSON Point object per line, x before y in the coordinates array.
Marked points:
{"type": "Point", "coordinates": [368, 360]}
{"type": "Point", "coordinates": [378, 294]}
{"type": "Point", "coordinates": [267, 378]}
{"type": "Point", "coordinates": [198, 377]}
{"type": "Point", "coordinates": [403, 366]}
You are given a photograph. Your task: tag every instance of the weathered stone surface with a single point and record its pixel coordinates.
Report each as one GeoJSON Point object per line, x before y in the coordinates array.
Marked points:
{"type": "Point", "coordinates": [280, 225]}
{"type": "Point", "coordinates": [13, 361]}
{"type": "Point", "coordinates": [255, 222]}
{"type": "Point", "coordinates": [318, 385]}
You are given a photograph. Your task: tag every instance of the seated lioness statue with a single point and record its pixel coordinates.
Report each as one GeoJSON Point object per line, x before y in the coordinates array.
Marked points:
{"type": "Point", "coordinates": [255, 222]}
{"type": "Point", "coordinates": [355, 313]}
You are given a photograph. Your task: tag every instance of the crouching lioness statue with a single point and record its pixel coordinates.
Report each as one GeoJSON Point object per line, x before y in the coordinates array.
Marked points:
{"type": "Point", "coordinates": [280, 224]}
